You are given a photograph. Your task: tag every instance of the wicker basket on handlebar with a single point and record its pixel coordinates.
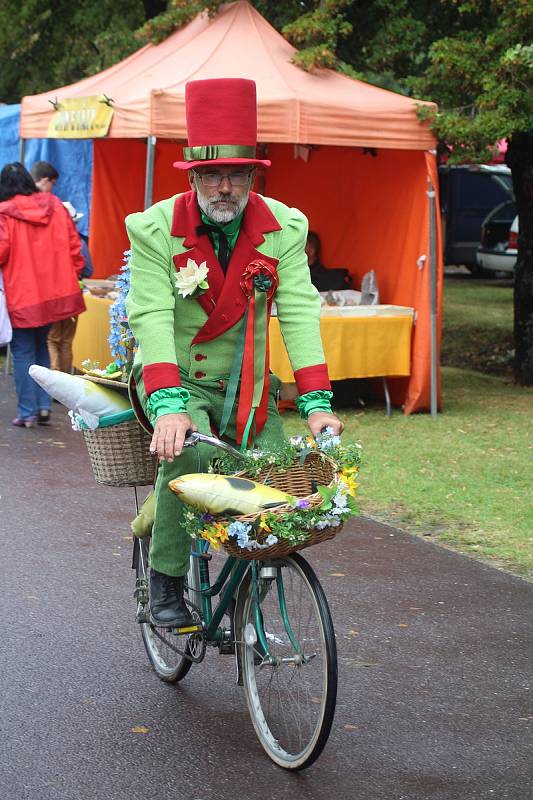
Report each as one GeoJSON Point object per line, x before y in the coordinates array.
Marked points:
{"type": "Point", "coordinates": [300, 481]}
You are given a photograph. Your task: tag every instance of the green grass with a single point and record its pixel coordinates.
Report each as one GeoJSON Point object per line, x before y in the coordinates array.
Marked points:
{"type": "Point", "coordinates": [464, 479]}
{"type": "Point", "coordinates": [477, 325]}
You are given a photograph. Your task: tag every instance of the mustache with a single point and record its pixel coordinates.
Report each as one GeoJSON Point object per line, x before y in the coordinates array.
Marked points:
{"type": "Point", "coordinates": [223, 198]}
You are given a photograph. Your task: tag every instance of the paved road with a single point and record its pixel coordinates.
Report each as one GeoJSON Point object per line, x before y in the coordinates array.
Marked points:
{"type": "Point", "coordinates": [435, 694]}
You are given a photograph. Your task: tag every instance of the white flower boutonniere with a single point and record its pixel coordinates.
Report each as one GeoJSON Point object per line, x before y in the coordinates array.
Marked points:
{"type": "Point", "coordinates": [191, 278]}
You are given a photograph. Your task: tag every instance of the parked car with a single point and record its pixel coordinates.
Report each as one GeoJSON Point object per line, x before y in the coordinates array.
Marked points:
{"type": "Point", "coordinates": [467, 195]}
{"type": "Point", "coordinates": [499, 240]}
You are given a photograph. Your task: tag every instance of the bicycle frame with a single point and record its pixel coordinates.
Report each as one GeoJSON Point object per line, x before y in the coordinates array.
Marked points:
{"type": "Point", "coordinates": [227, 584]}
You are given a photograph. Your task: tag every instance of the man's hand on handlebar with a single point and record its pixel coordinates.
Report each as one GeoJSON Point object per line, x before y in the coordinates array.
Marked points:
{"type": "Point", "coordinates": [319, 420]}
{"type": "Point", "coordinates": [169, 432]}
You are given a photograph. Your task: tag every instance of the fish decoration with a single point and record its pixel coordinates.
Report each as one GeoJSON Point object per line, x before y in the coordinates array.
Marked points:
{"type": "Point", "coordinates": [227, 494]}
{"type": "Point", "coordinates": [143, 523]}
{"type": "Point", "coordinates": [87, 399]}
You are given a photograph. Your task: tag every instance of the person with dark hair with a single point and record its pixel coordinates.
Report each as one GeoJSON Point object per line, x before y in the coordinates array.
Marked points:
{"type": "Point", "coordinates": [45, 175]}
{"type": "Point", "coordinates": [40, 260]}
{"type": "Point", "coordinates": [322, 278]}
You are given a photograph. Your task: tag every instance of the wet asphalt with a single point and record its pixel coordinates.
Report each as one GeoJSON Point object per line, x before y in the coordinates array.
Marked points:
{"type": "Point", "coordinates": [435, 655]}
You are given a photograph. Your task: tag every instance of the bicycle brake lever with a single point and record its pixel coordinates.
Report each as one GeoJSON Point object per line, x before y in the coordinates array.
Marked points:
{"type": "Point", "coordinates": [195, 437]}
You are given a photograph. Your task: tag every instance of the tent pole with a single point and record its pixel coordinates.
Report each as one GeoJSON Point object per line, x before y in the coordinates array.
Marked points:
{"type": "Point", "coordinates": [433, 299]}
{"type": "Point", "coordinates": [22, 150]}
{"type": "Point", "coordinates": [149, 181]}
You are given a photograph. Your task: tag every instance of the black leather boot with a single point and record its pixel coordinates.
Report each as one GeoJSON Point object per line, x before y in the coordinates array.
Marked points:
{"type": "Point", "coordinates": [167, 606]}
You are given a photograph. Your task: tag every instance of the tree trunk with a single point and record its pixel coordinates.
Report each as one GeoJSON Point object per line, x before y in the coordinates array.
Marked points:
{"type": "Point", "coordinates": [154, 7]}
{"type": "Point", "coordinates": [519, 158]}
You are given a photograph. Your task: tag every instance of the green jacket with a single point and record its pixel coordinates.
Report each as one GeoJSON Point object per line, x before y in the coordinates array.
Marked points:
{"type": "Point", "coordinates": [199, 334]}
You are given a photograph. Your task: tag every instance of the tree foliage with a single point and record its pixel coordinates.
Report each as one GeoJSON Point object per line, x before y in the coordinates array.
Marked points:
{"type": "Point", "coordinates": [44, 45]}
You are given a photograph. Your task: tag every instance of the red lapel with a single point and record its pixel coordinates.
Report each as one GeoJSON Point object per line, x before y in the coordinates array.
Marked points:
{"type": "Point", "coordinates": [185, 220]}
{"type": "Point", "coordinates": [231, 301]}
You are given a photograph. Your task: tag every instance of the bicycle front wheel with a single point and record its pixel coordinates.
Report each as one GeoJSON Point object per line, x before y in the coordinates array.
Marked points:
{"type": "Point", "coordinates": [291, 684]}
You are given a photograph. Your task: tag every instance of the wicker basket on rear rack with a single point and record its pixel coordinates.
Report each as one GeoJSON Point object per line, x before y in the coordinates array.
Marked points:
{"type": "Point", "coordinates": [300, 481]}
{"type": "Point", "coordinates": [119, 452]}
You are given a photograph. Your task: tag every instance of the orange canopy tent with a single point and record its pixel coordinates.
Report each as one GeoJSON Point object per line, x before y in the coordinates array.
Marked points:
{"type": "Point", "coordinates": [353, 157]}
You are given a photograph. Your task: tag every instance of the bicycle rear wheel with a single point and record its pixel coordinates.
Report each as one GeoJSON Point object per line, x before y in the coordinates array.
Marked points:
{"type": "Point", "coordinates": [291, 697]}
{"type": "Point", "coordinates": [169, 653]}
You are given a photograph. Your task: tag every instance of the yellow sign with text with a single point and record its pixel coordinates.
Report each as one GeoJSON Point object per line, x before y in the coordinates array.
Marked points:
{"type": "Point", "coordinates": [81, 118]}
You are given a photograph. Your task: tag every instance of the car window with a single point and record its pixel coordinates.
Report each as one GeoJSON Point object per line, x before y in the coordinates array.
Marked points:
{"type": "Point", "coordinates": [479, 190]}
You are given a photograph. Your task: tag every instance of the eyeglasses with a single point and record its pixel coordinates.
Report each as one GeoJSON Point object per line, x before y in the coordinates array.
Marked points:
{"type": "Point", "coordinates": [213, 179]}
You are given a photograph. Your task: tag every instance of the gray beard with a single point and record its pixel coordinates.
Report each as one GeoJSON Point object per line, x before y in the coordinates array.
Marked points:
{"type": "Point", "coordinates": [219, 215]}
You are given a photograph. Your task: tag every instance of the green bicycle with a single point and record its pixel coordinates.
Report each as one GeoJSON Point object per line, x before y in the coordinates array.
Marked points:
{"type": "Point", "coordinates": [274, 616]}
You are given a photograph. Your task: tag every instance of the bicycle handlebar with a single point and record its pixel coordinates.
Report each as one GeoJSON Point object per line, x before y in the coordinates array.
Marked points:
{"type": "Point", "coordinates": [195, 437]}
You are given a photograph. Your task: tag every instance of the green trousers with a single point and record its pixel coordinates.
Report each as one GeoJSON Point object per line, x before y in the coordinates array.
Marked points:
{"type": "Point", "coordinates": [171, 542]}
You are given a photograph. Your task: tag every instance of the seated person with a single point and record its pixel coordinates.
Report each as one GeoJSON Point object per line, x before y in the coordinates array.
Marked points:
{"type": "Point", "coordinates": [324, 279]}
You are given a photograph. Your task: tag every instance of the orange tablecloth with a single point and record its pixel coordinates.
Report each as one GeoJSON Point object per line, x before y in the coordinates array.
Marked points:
{"type": "Point", "coordinates": [355, 347]}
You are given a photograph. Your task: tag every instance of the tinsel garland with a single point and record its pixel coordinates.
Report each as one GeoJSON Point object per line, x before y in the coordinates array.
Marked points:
{"type": "Point", "coordinates": [121, 340]}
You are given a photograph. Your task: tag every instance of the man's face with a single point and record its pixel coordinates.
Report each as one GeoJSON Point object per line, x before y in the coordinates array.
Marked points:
{"type": "Point", "coordinates": [226, 199]}
{"type": "Point", "coordinates": [45, 184]}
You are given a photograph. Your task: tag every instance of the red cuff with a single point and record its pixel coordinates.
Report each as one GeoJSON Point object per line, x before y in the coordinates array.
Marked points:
{"type": "Point", "coordinates": [312, 379]}
{"type": "Point", "coordinates": [160, 376]}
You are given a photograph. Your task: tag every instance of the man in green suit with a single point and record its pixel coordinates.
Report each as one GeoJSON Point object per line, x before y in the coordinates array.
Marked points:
{"type": "Point", "coordinates": [206, 267]}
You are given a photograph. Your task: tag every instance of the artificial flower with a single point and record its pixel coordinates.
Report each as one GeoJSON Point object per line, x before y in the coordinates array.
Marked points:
{"type": "Point", "coordinates": [303, 503]}
{"type": "Point", "coordinates": [191, 278]}
{"type": "Point", "coordinates": [220, 531]}
{"type": "Point", "coordinates": [239, 530]}
{"type": "Point", "coordinates": [263, 524]}
{"type": "Point", "coordinates": [209, 535]}
{"type": "Point", "coordinates": [348, 482]}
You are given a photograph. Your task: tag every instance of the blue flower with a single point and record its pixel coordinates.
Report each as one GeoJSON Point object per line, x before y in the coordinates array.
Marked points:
{"type": "Point", "coordinates": [240, 530]}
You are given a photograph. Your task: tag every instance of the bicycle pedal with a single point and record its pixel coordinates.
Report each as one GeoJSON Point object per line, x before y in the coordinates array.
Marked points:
{"type": "Point", "coordinates": [142, 617]}
{"type": "Point", "coordinates": [187, 629]}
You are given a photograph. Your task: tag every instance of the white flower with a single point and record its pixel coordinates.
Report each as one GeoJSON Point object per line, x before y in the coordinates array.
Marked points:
{"type": "Point", "coordinates": [192, 277]}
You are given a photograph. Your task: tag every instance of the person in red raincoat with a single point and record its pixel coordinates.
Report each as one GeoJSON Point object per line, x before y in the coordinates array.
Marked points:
{"type": "Point", "coordinates": [40, 258]}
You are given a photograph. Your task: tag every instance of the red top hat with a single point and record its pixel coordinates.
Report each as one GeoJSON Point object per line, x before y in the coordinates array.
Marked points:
{"type": "Point", "coordinates": [221, 123]}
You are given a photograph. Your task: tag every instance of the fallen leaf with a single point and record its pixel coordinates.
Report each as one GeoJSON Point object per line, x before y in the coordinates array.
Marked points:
{"type": "Point", "coordinates": [140, 729]}
{"type": "Point", "coordinates": [354, 633]}
{"type": "Point", "coordinates": [336, 574]}
{"type": "Point", "coordinates": [316, 700]}
{"type": "Point", "coordinates": [350, 727]}
{"type": "Point", "coordinates": [355, 662]}
{"type": "Point", "coordinates": [403, 625]}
